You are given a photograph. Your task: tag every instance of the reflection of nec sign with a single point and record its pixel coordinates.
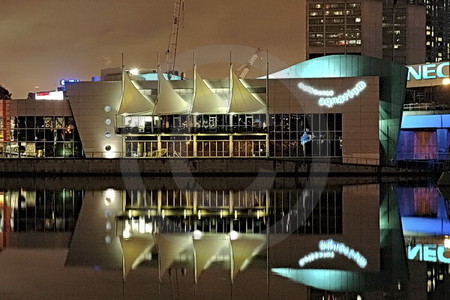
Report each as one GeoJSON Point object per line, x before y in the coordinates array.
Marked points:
{"type": "Point", "coordinates": [428, 252]}
{"type": "Point", "coordinates": [341, 99]}
{"type": "Point", "coordinates": [429, 71]}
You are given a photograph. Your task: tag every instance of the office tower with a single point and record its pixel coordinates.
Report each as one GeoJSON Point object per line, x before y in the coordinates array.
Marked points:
{"type": "Point", "coordinates": [437, 30]}
{"type": "Point", "coordinates": [383, 29]}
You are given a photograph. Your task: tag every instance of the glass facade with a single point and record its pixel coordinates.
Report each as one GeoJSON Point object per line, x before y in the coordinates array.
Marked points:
{"type": "Point", "coordinates": [233, 135]}
{"type": "Point", "coordinates": [394, 32]}
{"type": "Point", "coordinates": [42, 136]}
{"type": "Point", "coordinates": [437, 30]}
{"type": "Point", "coordinates": [334, 24]}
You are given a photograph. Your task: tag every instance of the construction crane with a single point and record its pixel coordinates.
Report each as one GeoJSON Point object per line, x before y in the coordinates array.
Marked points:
{"type": "Point", "coordinates": [171, 52]}
{"type": "Point", "coordinates": [246, 67]}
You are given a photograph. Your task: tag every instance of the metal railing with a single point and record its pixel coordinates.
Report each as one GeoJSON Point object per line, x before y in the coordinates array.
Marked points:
{"type": "Point", "coordinates": [425, 106]}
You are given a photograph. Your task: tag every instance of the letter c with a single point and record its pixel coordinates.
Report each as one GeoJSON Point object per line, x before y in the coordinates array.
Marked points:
{"type": "Point", "coordinates": [441, 257]}
{"type": "Point", "coordinates": [440, 69]}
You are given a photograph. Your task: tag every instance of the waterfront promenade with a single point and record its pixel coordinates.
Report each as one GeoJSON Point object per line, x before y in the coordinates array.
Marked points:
{"type": "Point", "coordinates": [200, 167]}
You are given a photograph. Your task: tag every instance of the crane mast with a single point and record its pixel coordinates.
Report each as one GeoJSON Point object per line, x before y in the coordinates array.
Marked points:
{"type": "Point", "coordinates": [246, 67]}
{"type": "Point", "coordinates": [173, 38]}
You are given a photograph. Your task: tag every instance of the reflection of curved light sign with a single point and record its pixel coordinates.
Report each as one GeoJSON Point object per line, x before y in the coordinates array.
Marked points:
{"type": "Point", "coordinates": [341, 99]}
{"type": "Point", "coordinates": [328, 249]}
{"type": "Point", "coordinates": [312, 256]}
{"type": "Point", "coordinates": [313, 91]}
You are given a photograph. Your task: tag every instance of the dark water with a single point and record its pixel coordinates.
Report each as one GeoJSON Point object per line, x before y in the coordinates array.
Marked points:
{"type": "Point", "coordinates": [223, 238]}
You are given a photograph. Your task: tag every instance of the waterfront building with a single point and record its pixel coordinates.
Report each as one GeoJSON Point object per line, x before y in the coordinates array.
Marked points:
{"type": "Point", "coordinates": [39, 128]}
{"type": "Point", "coordinates": [340, 108]}
{"type": "Point", "coordinates": [426, 118]}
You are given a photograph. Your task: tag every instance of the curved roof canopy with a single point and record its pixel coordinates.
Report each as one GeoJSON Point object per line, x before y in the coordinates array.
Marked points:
{"type": "Point", "coordinates": [205, 101]}
{"type": "Point", "coordinates": [133, 102]}
{"type": "Point", "coordinates": [242, 101]}
{"type": "Point", "coordinates": [169, 102]}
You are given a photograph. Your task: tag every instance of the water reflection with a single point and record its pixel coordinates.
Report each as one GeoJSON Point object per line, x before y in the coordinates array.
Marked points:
{"type": "Point", "coordinates": [303, 239]}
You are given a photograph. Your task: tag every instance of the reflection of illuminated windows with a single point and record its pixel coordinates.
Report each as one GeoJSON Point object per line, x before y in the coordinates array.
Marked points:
{"type": "Point", "coordinates": [297, 212]}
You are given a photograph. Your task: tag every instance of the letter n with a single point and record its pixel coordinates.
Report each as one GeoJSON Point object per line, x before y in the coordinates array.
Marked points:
{"type": "Point", "coordinates": [412, 252]}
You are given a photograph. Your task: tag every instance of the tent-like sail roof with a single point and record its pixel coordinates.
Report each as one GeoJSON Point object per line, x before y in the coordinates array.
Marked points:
{"type": "Point", "coordinates": [169, 102]}
{"type": "Point", "coordinates": [242, 101]}
{"type": "Point", "coordinates": [243, 251]}
{"type": "Point", "coordinates": [205, 250]}
{"type": "Point", "coordinates": [133, 102]}
{"type": "Point", "coordinates": [170, 246]}
{"type": "Point", "coordinates": [133, 250]}
{"type": "Point", "coordinates": [205, 101]}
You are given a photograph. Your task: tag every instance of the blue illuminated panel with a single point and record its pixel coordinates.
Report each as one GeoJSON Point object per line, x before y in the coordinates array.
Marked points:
{"type": "Point", "coordinates": [422, 121]}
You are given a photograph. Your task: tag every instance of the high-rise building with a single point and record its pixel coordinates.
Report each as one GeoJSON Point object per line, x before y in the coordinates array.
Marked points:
{"type": "Point", "coordinates": [438, 30]}
{"type": "Point", "coordinates": [382, 29]}
{"type": "Point", "coordinates": [404, 31]}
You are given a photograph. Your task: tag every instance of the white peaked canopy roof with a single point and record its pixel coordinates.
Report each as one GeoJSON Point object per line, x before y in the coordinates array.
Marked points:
{"type": "Point", "coordinates": [243, 250]}
{"type": "Point", "coordinates": [205, 250]}
{"type": "Point", "coordinates": [242, 101]}
{"type": "Point", "coordinates": [134, 250]}
{"type": "Point", "coordinates": [133, 102]}
{"type": "Point", "coordinates": [169, 102]}
{"type": "Point", "coordinates": [170, 246]}
{"type": "Point", "coordinates": [205, 101]}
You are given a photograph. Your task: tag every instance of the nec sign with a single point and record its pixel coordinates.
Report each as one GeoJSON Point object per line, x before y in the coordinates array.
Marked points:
{"type": "Point", "coordinates": [428, 252]}
{"type": "Point", "coordinates": [428, 71]}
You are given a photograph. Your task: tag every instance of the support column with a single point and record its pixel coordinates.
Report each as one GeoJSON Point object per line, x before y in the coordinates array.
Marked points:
{"type": "Point", "coordinates": [231, 205]}
{"type": "Point", "coordinates": [159, 195]}
{"type": "Point", "coordinates": [159, 143]}
{"type": "Point", "coordinates": [194, 204]}
{"type": "Point", "coordinates": [194, 139]}
{"type": "Point", "coordinates": [231, 145]}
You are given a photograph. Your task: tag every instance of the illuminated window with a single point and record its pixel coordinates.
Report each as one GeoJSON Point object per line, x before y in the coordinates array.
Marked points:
{"type": "Point", "coordinates": [358, 20]}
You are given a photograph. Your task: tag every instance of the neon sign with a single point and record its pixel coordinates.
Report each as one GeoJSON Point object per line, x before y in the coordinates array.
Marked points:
{"type": "Point", "coordinates": [341, 99]}
{"type": "Point", "coordinates": [428, 71]}
{"type": "Point", "coordinates": [64, 81]}
{"type": "Point", "coordinates": [428, 252]}
{"type": "Point", "coordinates": [55, 95]}
{"type": "Point", "coordinates": [329, 248]}
{"type": "Point", "coordinates": [313, 91]}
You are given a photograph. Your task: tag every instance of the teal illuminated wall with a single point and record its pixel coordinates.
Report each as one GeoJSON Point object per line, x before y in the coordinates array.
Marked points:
{"type": "Point", "coordinates": [392, 89]}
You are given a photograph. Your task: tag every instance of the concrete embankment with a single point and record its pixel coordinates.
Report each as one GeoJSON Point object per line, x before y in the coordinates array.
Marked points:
{"type": "Point", "coordinates": [196, 167]}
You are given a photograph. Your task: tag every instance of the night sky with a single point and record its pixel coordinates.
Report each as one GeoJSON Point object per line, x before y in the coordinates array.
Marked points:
{"type": "Point", "coordinates": [48, 40]}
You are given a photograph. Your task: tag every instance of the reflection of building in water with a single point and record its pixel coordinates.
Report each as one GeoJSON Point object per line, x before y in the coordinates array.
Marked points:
{"type": "Point", "coordinates": [426, 227]}
{"type": "Point", "coordinates": [50, 213]}
{"type": "Point", "coordinates": [291, 211]}
{"type": "Point", "coordinates": [186, 240]}
{"type": "Point", "coordinates": [182, 237]}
